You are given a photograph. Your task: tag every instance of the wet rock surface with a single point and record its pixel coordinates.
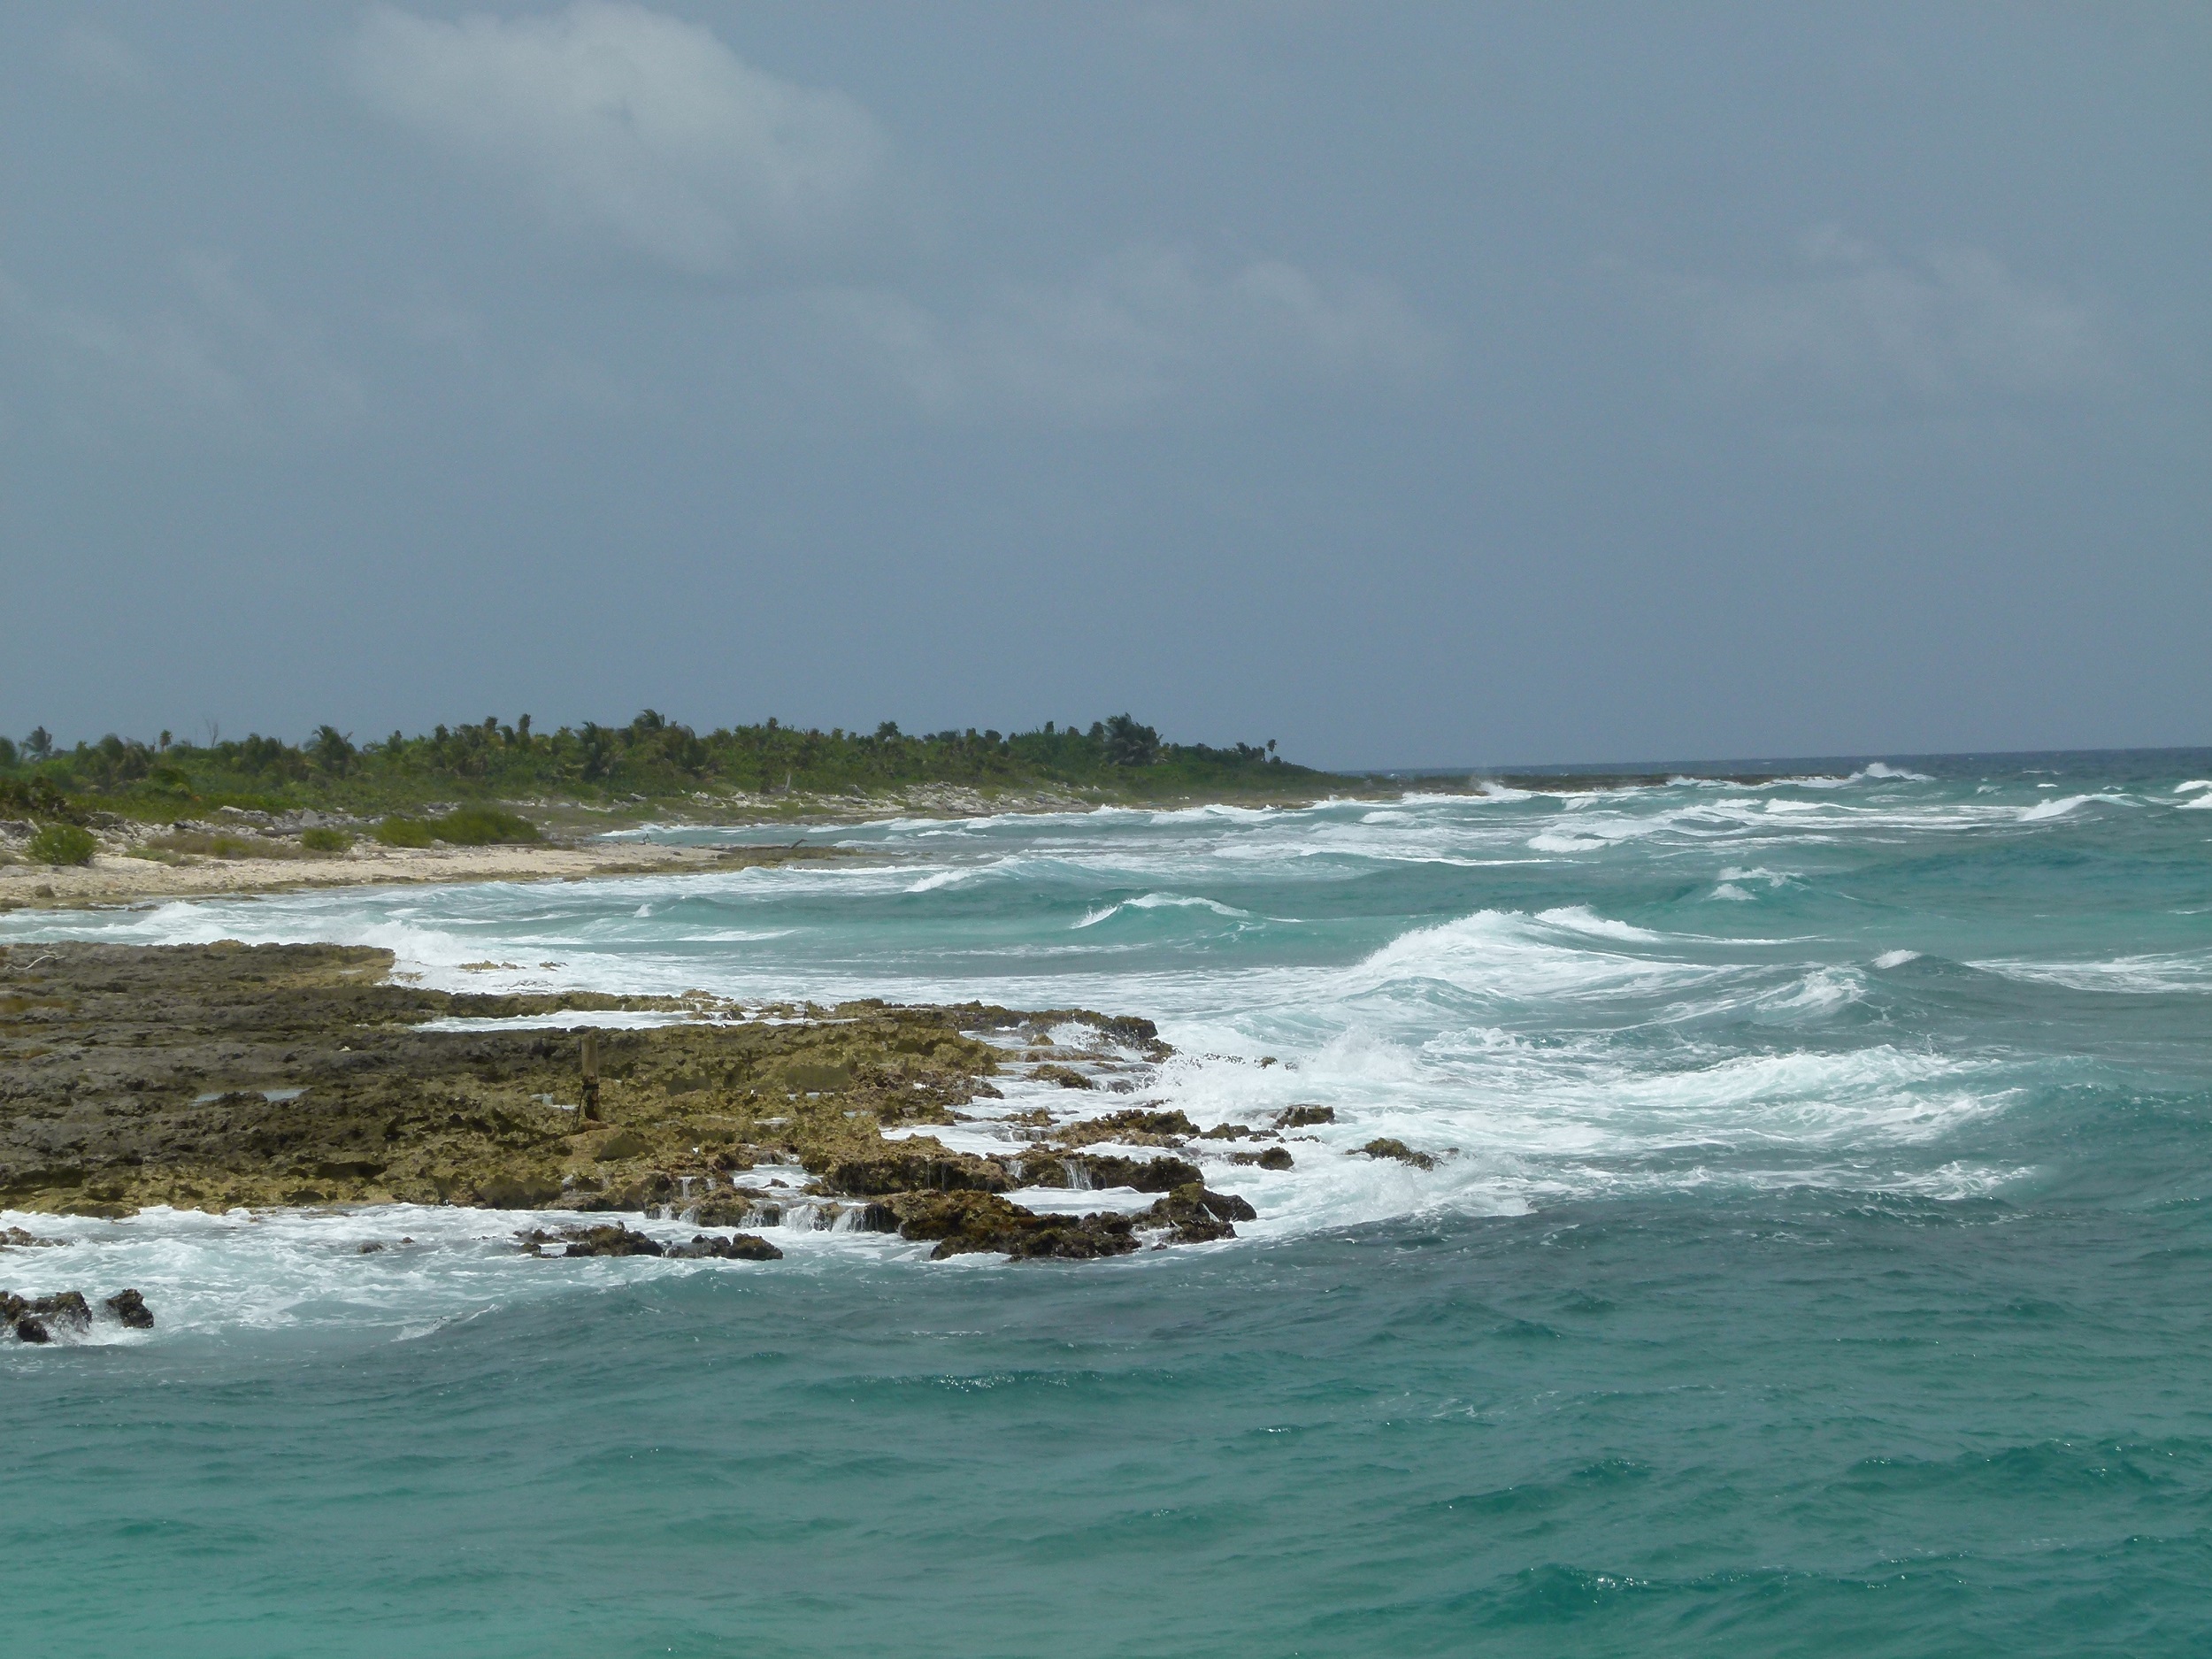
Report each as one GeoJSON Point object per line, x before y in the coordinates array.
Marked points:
{"type": "Point", "coordinates": [213, 1077]}
{"type": "Point", "coordinates": [970, 1222]}
{"type": "Point", "coordinates": [1383, 1147]}
{"type": "Point", "coordinates": [66, 1313]}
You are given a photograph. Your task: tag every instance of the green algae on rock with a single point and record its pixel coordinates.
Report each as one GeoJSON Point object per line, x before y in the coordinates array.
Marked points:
{"type": "Point", "coordinates": [216, 1076]}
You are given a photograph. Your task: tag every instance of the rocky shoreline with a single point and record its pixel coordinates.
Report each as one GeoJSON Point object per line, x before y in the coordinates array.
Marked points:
{"type": "Point", "coordinates": [221, 1076]}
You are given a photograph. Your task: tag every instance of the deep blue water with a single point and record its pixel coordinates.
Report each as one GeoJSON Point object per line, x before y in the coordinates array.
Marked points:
{"type": "Point", "coordinates": [1817, 1263]}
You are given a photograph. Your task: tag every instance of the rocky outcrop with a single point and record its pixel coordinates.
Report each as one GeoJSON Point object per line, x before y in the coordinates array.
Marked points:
{"type": "Point", "coordinates": [214, 1076]}
{"type": "Point", "coordinates": [1195, 1216]}
{"type": "Point", "coordinates": [1383, 1147]}
{"type": "Point", "coordinates": [1054, 1168]}
{"type": "Point", "coordinates": [40, 1319]}
{"type": "Point", "coordinates": [1135, 1127]}
{"type": "Point", "coordinates": [130, 1307]}
{"type": "Point", "coordinates": [966, 1223]}
{"type": "Point", "coordinates": [613, 1240]}
{"type": "Point", "coordinates": [1273, 1158]}
{"type": "Point", "coordinates": [739, 1247]}
{"type": "Point", "coordinates": [898, 1166]}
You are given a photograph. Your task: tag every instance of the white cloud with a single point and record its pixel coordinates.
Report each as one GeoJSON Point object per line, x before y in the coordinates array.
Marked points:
{"type": "Point", "coordinates": [218, 358]}
{"type": "Point", "coordinates": [618, 122]}
{"type": "Point", "coordinates": [1952, 328]}
{"type": "Point", "coordinates": [1145, 328]}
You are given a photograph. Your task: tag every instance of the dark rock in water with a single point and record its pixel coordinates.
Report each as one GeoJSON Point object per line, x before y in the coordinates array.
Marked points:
{"type": "Point", "coordinates": [741, 1247]}
{"type": "Point", "coordinates": [740, 1207]}
{"type": "Point", "coordinates": [1135, 1125]}
{"type": "Point", "coordinates": [16, 1239]}
{"type": "Point", "coordinates": [29, 1330]}
{"type": "Point", "coordinates": [1196, 1215]}
{"type": "Point", "coordinates": [876, 1218]}
{"type": "Point", "coordinates": [1301, 1116]}
{"type": "Point", "coordinates": [1381, 1147]}
{"type": "Point", "coordinates": [964, 1222]}
{"type": "Point", "coordinates": [922, 1162]}
{"type": "Point", "coordinates": [1227, 1131]}
{"type": "Point", "coordinates": [67, 1308]}
{"type": "Point", "coordinates": [1147, 1175]}
{"type": "Point", "coordinates": [131, 1309]}
{"type": "Point", "coordinates": [1066, 1077]}
{"type": "Point", "coordinates": [1273, 1158]}
{"type": "Point", "coordinates": [603, 1240]}
{"type": "Point", "coordinates": [369, 1249]}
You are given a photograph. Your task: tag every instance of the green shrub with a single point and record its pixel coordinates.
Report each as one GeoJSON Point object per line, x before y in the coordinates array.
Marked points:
{"type": "Point", "coordinates": [62, 844]}
{"type": "Point", "coordinates": [482, 826]}
{"type": "Point", "coordinates": [326, 840]}
{"type": "Point", "coordinates": [403, 831]}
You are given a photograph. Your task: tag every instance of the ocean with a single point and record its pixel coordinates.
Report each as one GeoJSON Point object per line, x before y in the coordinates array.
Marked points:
{"type": "Point", "coordinates": [1817, 1259]}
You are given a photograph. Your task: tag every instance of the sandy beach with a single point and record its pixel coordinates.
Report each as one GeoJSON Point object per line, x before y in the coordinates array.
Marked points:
{"type": "Point", "coordinates": [117, 879]}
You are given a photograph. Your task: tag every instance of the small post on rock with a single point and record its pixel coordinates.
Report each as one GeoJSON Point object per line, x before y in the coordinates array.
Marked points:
{"type": "Point", "coordinates": [591, 1077]}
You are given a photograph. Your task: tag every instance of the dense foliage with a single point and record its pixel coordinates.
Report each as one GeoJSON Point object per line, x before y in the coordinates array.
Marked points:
{"type": "Point", "coordinates": [651, 757]}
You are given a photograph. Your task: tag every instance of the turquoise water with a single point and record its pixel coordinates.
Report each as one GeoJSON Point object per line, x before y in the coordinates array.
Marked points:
{"type": "Point", "coordinates": [1817, 1261]}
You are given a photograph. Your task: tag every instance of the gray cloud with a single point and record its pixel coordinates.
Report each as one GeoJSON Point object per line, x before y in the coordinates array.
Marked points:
{"type": "Point", "coordinates": [102, 58]}
{"type": "Point", "coordinates": [1147, 327]}
{"type": "Point", "coordinates": [216, 358]}
{"type": "Point", "coordinates": [621, 123]}
{"type": "Point", "coordinates": [1855, 322]}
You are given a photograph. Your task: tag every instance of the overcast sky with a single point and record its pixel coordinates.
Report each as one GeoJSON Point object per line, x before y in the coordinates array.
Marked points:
{"type": "Point", "coordinates": [1413, 384]}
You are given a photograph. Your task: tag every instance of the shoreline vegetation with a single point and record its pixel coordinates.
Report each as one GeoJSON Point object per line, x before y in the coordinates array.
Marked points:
{"type": "Point", "coordinates": [120, 821]}
{"type": "Point", "coordinates": [123, 821]}
{"type": "Point", "coordinates": [227, 1076]}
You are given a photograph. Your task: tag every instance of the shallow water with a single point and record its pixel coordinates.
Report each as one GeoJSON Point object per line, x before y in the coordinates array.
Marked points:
{"type": "Point", "coordinates": [1817, 1262]}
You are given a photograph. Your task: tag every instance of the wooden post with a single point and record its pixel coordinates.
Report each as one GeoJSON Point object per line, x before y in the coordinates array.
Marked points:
{"type": "Point", "coordinates": [591, 1077]}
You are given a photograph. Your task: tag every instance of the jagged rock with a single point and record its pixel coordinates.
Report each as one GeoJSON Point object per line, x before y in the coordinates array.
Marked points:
{"type": "Point", "coordinates": [899, 1166]}
{"type": "Point", "coordinates": [131, 1309]}
{"type": "Point", "coordinates": [1273, 1158]}
{"type": "Point", "coordinates": [1383, 1147]}
{"type": "Point", "coordinates": [641, 1194]}
{"type": "Point", "coordinates": [741, 1247]}
{"type": "Point", "coordinates": [739, 1208]}
{"type": "Point", "coordinates": [66, 1307]}
{"type": "Point", "coordinates": [602, 1241]}
{"type": "Point", "coordinates": [27, 1329]}
{"type": "Point", "coordinates": [16, 1239]}
{"type": "Point", "coordinates": [1303, 1117]}
{"type": "Point", "coordinates": [1227, 1131]}
{"type": "Point", "coordinates": [1135, 1126]}
{"type": "Point", "coordinates": [1066, 1077]}
{"type": "Point", "coordinates": [518, 1191]}
{"type": "Point", "coordinates": [1196, 1215]}
{"type": "Point", "coordinates": [623, 1143]}
{"type": "Point", "coordinates": [968, 1222]}
{"type": "Point", "coordinates": [1147, 1175]}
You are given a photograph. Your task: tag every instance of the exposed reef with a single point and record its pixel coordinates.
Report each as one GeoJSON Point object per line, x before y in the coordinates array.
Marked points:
{"type": "Point", "coordinates": [218, 1076]}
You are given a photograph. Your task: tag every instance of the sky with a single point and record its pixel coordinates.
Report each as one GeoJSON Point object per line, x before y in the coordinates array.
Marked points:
{"type": "Point", "coordinates": [1415, 384]}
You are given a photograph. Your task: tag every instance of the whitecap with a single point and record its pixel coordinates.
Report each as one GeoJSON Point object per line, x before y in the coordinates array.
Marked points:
{"type": "Point", "coordinates": [1581, 919]}
{"type": "Point", "coordinates": [2043, 809]}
